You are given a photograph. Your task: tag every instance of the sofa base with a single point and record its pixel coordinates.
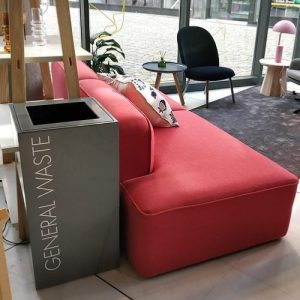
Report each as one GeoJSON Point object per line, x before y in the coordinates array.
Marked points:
{"type": "Point", "coordinates": [177, 238]}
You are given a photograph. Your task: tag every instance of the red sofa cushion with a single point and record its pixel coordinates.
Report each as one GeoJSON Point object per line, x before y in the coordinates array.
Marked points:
{"type": "Point", "coordinates": [84, 72]}
{"type": "Point", "coordinates": [135, 131]}
{"type": "Point", "coordinates": [59, 80]}
{"type": "Point", "coordinates": [209, 195]}
{"type": "Point", "coordinates": [199, 159]}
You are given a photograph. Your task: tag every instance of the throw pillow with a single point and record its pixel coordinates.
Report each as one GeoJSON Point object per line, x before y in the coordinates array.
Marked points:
{"type": "Point", "coordinates": [148, 99]}
{"type": "Point", "coordinates": [106, 77]}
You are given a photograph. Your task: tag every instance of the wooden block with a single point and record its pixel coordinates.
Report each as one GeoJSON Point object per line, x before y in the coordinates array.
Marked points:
{"type": "Point", "coordinates": [66, 36]}
{"type": "Point", "coordinates": [5, 292]}
{"type": "Point", "coordinates": [3, 5]}
{"type": "Point", "coordinates": [4, 85]}
{"type": "Point", "coordinates": [10, 191]}
{"type": "Point", "coordinates": [274, 83]}
{"type": "Point", "coordinates": [178, 88]}
{"type": "Point", "coordinates": [157, 81]}
{"type": "Point", "coordinates": [47, 81]}
{"type": "Point", "coordinates": [17, 51]}
{"type": "Point", "coordinates": [35, 3]}
{"type": "Point", "coordinates": [8, 157]}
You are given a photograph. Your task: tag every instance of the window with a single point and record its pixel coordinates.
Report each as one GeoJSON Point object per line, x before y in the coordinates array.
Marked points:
{"type": "Point", "coordinates": [233, 26]}
{"type": "Point", "coordinates": [144, 29]}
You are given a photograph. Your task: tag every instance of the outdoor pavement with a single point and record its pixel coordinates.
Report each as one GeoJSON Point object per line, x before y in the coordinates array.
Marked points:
{"type": "Point", "coordinates": [143, 36]}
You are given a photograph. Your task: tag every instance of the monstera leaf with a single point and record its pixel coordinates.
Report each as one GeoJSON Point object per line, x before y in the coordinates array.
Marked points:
{"type": "Point", "coordinates": [105, 51]}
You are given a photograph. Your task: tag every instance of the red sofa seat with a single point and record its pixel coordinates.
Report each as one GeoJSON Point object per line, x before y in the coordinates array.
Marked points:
{"type": "Point", "coordinates": [209, 195]}
{"type": "Point", "coordinates": [189, 193]}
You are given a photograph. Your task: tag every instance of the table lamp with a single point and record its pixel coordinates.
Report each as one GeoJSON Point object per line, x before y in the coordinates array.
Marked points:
{"type": "Point", "coordinates": [283, 26]}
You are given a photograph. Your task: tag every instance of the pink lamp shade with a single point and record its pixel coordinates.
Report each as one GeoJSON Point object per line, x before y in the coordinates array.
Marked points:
{"type": "Point", "coordinates": [283, 26]}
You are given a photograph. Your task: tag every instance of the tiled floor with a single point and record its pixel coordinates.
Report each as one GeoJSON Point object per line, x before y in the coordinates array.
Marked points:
{"type": "Point", "coordinates": [267, 272]}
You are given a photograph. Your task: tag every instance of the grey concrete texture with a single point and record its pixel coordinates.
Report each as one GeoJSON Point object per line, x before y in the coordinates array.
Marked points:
{"type": "Point", "coordinates": [143, 36]}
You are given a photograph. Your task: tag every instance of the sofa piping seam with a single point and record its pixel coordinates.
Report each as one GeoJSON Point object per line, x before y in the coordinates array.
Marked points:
{"type": "Point", "coordinates": [198, 205]}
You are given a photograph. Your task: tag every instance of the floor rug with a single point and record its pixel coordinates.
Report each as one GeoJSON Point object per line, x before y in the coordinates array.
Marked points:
{"type": "Point", "coordinates": [266, 124]}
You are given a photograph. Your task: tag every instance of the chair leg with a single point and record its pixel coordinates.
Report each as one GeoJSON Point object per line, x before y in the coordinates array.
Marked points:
{"type": "Point", "coordinates": [232, 92]}
{"type": "Point", "coordinates": [207, 92]}
{"type": "Point", "coordinates": [186, 86]}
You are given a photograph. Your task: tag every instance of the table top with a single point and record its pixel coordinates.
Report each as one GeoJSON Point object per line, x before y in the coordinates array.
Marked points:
{"type": "Point", "coordinates": [271, 62]}
{"type": "Point", "coordinates": [171, 67]}
{"type": "Point", "coordinates": [52, 51]}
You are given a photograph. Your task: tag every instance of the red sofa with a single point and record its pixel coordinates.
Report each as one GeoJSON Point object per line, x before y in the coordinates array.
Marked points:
{"type": "Point", "coordinates": [188, 193]}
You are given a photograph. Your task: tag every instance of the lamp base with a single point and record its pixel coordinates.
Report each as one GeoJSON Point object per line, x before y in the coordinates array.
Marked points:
{"type": "Point", "coordinates": [278, 55]}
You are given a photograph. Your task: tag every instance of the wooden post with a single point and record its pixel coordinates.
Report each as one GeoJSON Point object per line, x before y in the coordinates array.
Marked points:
{"type": "Point", "coordinates": [5, 292]}
{"type": "Point", "coordinates": [4, 90]}
{"type": "Point", "coordinates": [44, 67]}
{"type": "Point", "coordinates": [66, 37]}
{"type": "Point", "coordinates": [46, 80]}
{"type": "Point", "coordinates": [4, 95]}
{"type": "Point", "coordinates": [17, 51]}
{"type": "Point", "coordinates": [35, 3]}
{"type": "Point", "coordinates": [3, 5]}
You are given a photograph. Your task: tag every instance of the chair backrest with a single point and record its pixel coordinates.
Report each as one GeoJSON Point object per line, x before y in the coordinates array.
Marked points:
{"type": "Point", "coordinates": [197, 47]}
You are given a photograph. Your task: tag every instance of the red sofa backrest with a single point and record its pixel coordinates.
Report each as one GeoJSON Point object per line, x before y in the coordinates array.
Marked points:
{"type": "Point", "coordinates": [135, 131]}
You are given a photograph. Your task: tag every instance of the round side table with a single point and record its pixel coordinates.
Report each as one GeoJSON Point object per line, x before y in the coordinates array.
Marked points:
{"type": "Point", "coordinates": [171, 67]}
{"type": "Point", "coordinates": [274, 83]}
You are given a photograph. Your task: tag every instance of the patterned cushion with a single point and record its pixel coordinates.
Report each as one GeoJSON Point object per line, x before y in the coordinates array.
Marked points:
{"type": "Point", "coordinates": [147, 99]}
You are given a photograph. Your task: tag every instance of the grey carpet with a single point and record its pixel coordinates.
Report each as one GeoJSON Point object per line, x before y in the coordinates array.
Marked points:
{"type": "Point", "coordinates": [266, 124]}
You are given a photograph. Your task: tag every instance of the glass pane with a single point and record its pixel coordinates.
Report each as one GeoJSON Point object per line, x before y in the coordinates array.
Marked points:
{"type": "Point", "coordinates": [50, 18]}
{"type": "Point", "coordinates": [143, 28]}
{"type": "Point", "coordinates": [282, 10]}
{"type": "Point", "coordinates": [232, 23]}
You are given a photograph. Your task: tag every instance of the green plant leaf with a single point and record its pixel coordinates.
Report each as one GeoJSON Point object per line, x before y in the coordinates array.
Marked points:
{"type": "Point", "coordinates": [99, 35]}
{"type": "Point", "coordinates": [115, 49]}
{"type": "Point", "coordinates": [106, 68]}
{"type": "Point", "coordinates": [118, 69]}
{"type": "Point", "coordinates": [110, 42]}
{"type": "Point", "coordinates": [112, 57]}
{"type": "Point", "coordinates": [105, 51]}
{"type": "Point", "coordinates": [102, 57]}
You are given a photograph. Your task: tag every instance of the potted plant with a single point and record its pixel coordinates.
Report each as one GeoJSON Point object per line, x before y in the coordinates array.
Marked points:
{"type": "Point", "coordinates": [162, 62]}
{"type": "Point", "coordinates": [105, 51]}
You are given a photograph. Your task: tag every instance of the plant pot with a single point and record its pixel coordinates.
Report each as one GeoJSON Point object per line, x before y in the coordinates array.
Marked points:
{"type": "Point", "coordinates": [162, 63]}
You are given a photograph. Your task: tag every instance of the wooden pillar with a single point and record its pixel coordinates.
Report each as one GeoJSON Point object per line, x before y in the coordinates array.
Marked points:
{"type": "Point", "coordinates": [39, 82]}
{"type": "Point", "coordinates": [66, 37]}
{"type": "Point", "coordinates": [4, 93]}
{"type": "Point", "coordinates": [5, 292]}
{"type": "Point", "coordinates": [35, 3]}
{"type": "Point", "coordinates": [18, 86]}
{"type": "Point", "coordinates": [4, 84]}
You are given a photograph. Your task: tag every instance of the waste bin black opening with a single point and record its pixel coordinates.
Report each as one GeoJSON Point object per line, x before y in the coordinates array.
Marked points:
{"type": "Point", "coordinates": [58, 113]}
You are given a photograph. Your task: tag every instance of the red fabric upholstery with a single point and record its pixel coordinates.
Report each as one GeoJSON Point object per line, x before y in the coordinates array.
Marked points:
{"type": "Point", "coordinates": [135, 131]}
{"type": "Point", "coordinates": [198, 195]}
{"type": "Point", "coordinates": [59, 80]}
{"type": "Point", "coordinates": [174, 105]}
{"type": "Point", "coordinates": [84, 72]}
{"type": "Point", "coordinates": [207, 196]}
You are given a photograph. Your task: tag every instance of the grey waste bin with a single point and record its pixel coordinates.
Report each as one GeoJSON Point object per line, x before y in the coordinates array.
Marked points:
{"type": "Point", "coordinates": [69, 161]}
